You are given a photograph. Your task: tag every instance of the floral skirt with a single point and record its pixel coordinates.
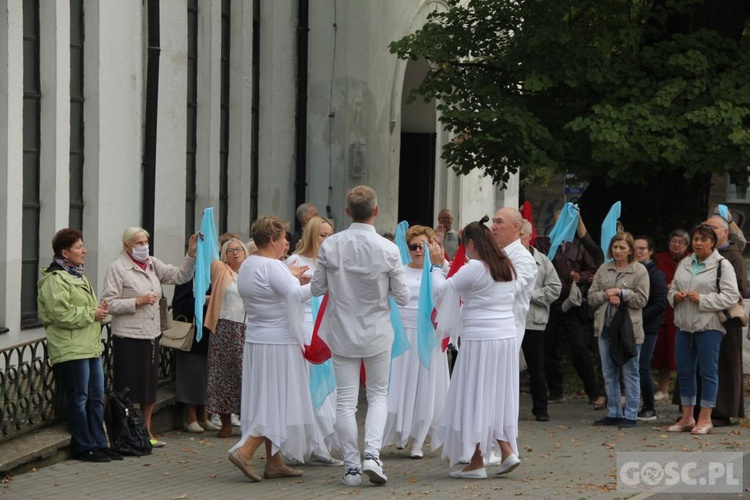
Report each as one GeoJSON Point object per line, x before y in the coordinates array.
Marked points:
{"type": "Point", "coordinates": [225, 348]}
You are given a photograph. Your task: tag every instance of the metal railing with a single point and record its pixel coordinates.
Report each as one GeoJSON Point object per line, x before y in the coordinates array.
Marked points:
{"type": "Point", "coordinates": [29, 398]}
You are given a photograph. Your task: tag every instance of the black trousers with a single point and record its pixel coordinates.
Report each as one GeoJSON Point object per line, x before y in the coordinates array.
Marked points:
{"type": "Point", "coordinates": [533, 351]}
{"type": "Point", "coordinates": [570, 325]}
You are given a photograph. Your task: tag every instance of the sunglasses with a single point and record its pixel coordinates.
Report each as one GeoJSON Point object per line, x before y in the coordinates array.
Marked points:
{"type": "Point", "coordinates": [414, 246]}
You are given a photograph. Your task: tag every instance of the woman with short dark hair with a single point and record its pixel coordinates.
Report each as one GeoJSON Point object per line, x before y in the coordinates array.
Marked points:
{"type": "Point", "coordinates": [72, 318]}
{"type": "Point", "coordinates": [696, 300]}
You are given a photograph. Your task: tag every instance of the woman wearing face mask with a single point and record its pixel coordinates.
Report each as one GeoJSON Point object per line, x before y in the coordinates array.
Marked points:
{"type": "Point", "coordinates": [622, 279]}
{"type": "Point", "coordinates": [132, 288]}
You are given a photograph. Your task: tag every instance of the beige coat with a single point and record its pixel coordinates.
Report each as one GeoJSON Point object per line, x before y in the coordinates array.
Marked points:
{"type": "Point", "coordinates": [125, 280]}
{"type": "Point", "coordinates": [634, 281]}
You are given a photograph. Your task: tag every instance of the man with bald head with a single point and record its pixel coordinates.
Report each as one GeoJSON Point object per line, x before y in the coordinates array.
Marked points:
{"type": "Point", "coordinates": [506, 228]}
{"type": "Point", "coordinates": [729, 400]}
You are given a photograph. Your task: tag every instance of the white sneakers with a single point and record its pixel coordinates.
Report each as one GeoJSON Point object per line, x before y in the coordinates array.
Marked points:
{"type": "Point", "coordinates": [507, 465]}
{"type": "Point", "coordinates": [353, 477]}
{"type": "Point", "coordinates": [373, 467]}
{"type": "Point", "coordinates": [416, 452]}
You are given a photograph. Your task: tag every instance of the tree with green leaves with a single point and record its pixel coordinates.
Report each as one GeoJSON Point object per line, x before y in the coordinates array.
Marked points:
{"type": "Point", "coordinates": [628, 95]}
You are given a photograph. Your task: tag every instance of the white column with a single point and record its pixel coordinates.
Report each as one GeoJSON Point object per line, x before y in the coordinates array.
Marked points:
{"type": "Point", "coordinates": [278, 56]}
{"type": "Point", "coordinates": [54, 187]}
{"type": "Point", "coordinates": [209, 108]}
{"type": "Point", "coordinates": [114, 51]}
{"type": "Point", "coordinates": [169, 213]}
{"type": "Point", "coordinates": [240, 117]}
{"type": "Point", "coordinates": [11, 160]}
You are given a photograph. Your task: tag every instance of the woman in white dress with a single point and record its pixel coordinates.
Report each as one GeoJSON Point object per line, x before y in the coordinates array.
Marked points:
{"type": "Point", "coordinates": [417, 395]}
{"type": "Point", "coordinates": [316, 231]}
{"type": "Point", "coordinates": [276, 407]}
{"type": "Point", "coordinates": [483, 390]}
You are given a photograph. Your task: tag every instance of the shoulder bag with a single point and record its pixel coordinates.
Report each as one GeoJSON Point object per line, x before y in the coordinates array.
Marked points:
{"type": "Point", "coordinates": [735, 316]}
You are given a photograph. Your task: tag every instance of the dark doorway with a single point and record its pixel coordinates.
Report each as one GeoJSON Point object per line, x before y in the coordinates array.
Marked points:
{"type": "Point", "coordinates": [416, 179]}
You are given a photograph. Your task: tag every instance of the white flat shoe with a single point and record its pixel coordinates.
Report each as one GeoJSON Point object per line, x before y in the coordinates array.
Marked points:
{"type": "Point", "coordinates": [208, 426]}
{"type": "Point", "coordinates": [193, 427]}
{"type": "Point", "coordinates": [416, 452]}
{"type": "Point", "coordinates": [493, 459]}
{"type": "Point", "coordinates": [472, 474]}
{"type": "Point", "coordinates": [507, 465]}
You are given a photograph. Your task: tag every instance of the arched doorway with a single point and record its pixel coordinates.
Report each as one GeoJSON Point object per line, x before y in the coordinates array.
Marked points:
{"type": "Point", "coordinates": [416, 192]}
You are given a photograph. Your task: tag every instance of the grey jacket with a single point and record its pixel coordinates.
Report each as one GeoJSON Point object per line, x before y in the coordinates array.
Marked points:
{"type": "Point", "coordinates": [692, 317]}
{"type": "Point", "coordinates": [634, 281]}
{"type": "Point", "coordinates": [546, 290]}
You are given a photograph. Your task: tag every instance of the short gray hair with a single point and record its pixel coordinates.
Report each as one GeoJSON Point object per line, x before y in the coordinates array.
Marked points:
{"type": "Point", "coordinates": [526, 227]}
{"type": "Point", "coordinates": [361, 202]}
{"type": "Point", "coordinates": [302, 212]}
{"type": "Point", "coordinates": [131, 233]}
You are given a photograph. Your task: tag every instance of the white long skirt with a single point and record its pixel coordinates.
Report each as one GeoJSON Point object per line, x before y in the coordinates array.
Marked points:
{"type": "Point", "coordinates": [483, 393]}
{"type": "Point", "coordinates": [276, 401]}
{"type": "Point", "coordinates": [416, 397]}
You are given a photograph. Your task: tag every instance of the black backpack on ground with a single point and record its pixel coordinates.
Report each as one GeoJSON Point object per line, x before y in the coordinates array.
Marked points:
{"type": "Point", "coordinates": [125, 426]}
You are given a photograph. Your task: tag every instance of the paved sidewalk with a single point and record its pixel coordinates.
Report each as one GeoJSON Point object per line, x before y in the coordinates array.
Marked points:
{"type": "Point", "coordinates": [563, 458]}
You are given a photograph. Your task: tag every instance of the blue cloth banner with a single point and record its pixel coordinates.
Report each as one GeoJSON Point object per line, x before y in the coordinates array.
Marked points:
{"type": "Point", "coordinates": [206, 253]}
{"type": "Point", "coordinates": [400, 341]}
{"type": "Point", "coordinates": [565, 228]}
{"type": "Point", "coordinates": [609, 228]}
{"type": "Point", "coordinates": [322, 378]}
{"type": "Point", "coordinates": [426, 336]}
{"type": "Point", "coordinates": [400, 241]}
{"type": "Point", "coordinates": [724, 212]}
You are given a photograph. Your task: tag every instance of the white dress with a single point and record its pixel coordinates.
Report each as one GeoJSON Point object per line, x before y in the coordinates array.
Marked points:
{"type": "Point", "coordinates": [416, 396]}
{"type": "Point", "coordinates": [484, 388]}
{"type": "Point", "coordinates": [276, 400]}
{"type": "Point", "coordinates": [325, 416]}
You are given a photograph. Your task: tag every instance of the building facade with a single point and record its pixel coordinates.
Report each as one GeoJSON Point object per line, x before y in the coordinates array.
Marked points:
{"type": "Point", "coordinates": [258, 105]}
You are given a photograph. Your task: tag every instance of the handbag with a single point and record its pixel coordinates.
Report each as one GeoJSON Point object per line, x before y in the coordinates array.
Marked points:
{"type": "Point", "coordinates": [179, 336]}
{"type": "Point", "coordinates": [736, 315]}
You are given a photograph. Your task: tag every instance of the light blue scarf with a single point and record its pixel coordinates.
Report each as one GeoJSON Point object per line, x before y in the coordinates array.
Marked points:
{"type": "Point", "coordinates": [426, 337]}
{"type": "Point", "coordinates": [322, 378]}
{"type": "Point", "coordinates": [206, 253]}
{"type": "Point", "coordinates": [565, 228]}
{"type": "Point", "coordinates": [609, 228]}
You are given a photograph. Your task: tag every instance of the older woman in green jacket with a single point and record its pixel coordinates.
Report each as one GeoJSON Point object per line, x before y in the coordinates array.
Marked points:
{"type": "Point", "coordinates": [71, 317]}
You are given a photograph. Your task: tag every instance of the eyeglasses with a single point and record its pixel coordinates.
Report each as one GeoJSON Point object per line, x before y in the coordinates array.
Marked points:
{"type": "Point", "coordinates": [414, 246]}
{"type": "Point", "coordinates": [235, 250]}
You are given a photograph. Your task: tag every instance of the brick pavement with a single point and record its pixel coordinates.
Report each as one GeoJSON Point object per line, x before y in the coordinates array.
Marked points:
{"type": "Point", "coordinates": [563, 458]}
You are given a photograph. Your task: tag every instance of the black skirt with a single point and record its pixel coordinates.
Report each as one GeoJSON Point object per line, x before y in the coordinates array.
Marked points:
{"type": "Point", "coordinates": [135, 365]}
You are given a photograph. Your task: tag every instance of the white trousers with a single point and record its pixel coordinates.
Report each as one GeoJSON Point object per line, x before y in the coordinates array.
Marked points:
{"type": "Point", "coordinates": [377, 369]}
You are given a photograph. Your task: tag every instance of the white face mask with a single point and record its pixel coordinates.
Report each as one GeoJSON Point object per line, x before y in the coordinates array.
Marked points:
{"type": "Point", "coordinates": [140, 253]}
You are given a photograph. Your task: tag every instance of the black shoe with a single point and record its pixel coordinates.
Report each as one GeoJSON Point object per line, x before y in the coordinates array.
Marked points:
{"type": "Point", "coordinates": [647, 415]}
{"type": "Point", "coordinates": [542, 417]}
{"type": "Point", "coordinates": [607, 421]}
{"type": "Point", "coordinates": [721, 422]}
{"type": "Point", "coordinates": [625, 423]}
{"type": "Point", "coordinates": [92, 456]}
{"type": "Point", "coordinates": [112, 454]}
{"type": "Point", "coordinates": [558, 398]}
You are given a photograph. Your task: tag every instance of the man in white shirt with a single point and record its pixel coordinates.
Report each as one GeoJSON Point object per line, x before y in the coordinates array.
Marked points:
{"type": "Point", "coordinates": [506, 228]}
{"type": "Point", "coordinates": [359, 269]}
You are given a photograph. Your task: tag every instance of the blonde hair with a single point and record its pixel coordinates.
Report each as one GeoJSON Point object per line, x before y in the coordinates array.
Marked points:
{"type": "Point", "coordinates": [309, 241]}
{"type": "Point", "coordinates": [133, 232]}
{"type": "Point", "coordinates": [226, 245]}
{"type": "Point", "coordinates": [252, 248]}
{"type": "Point", "coordinates": [415, 231]}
